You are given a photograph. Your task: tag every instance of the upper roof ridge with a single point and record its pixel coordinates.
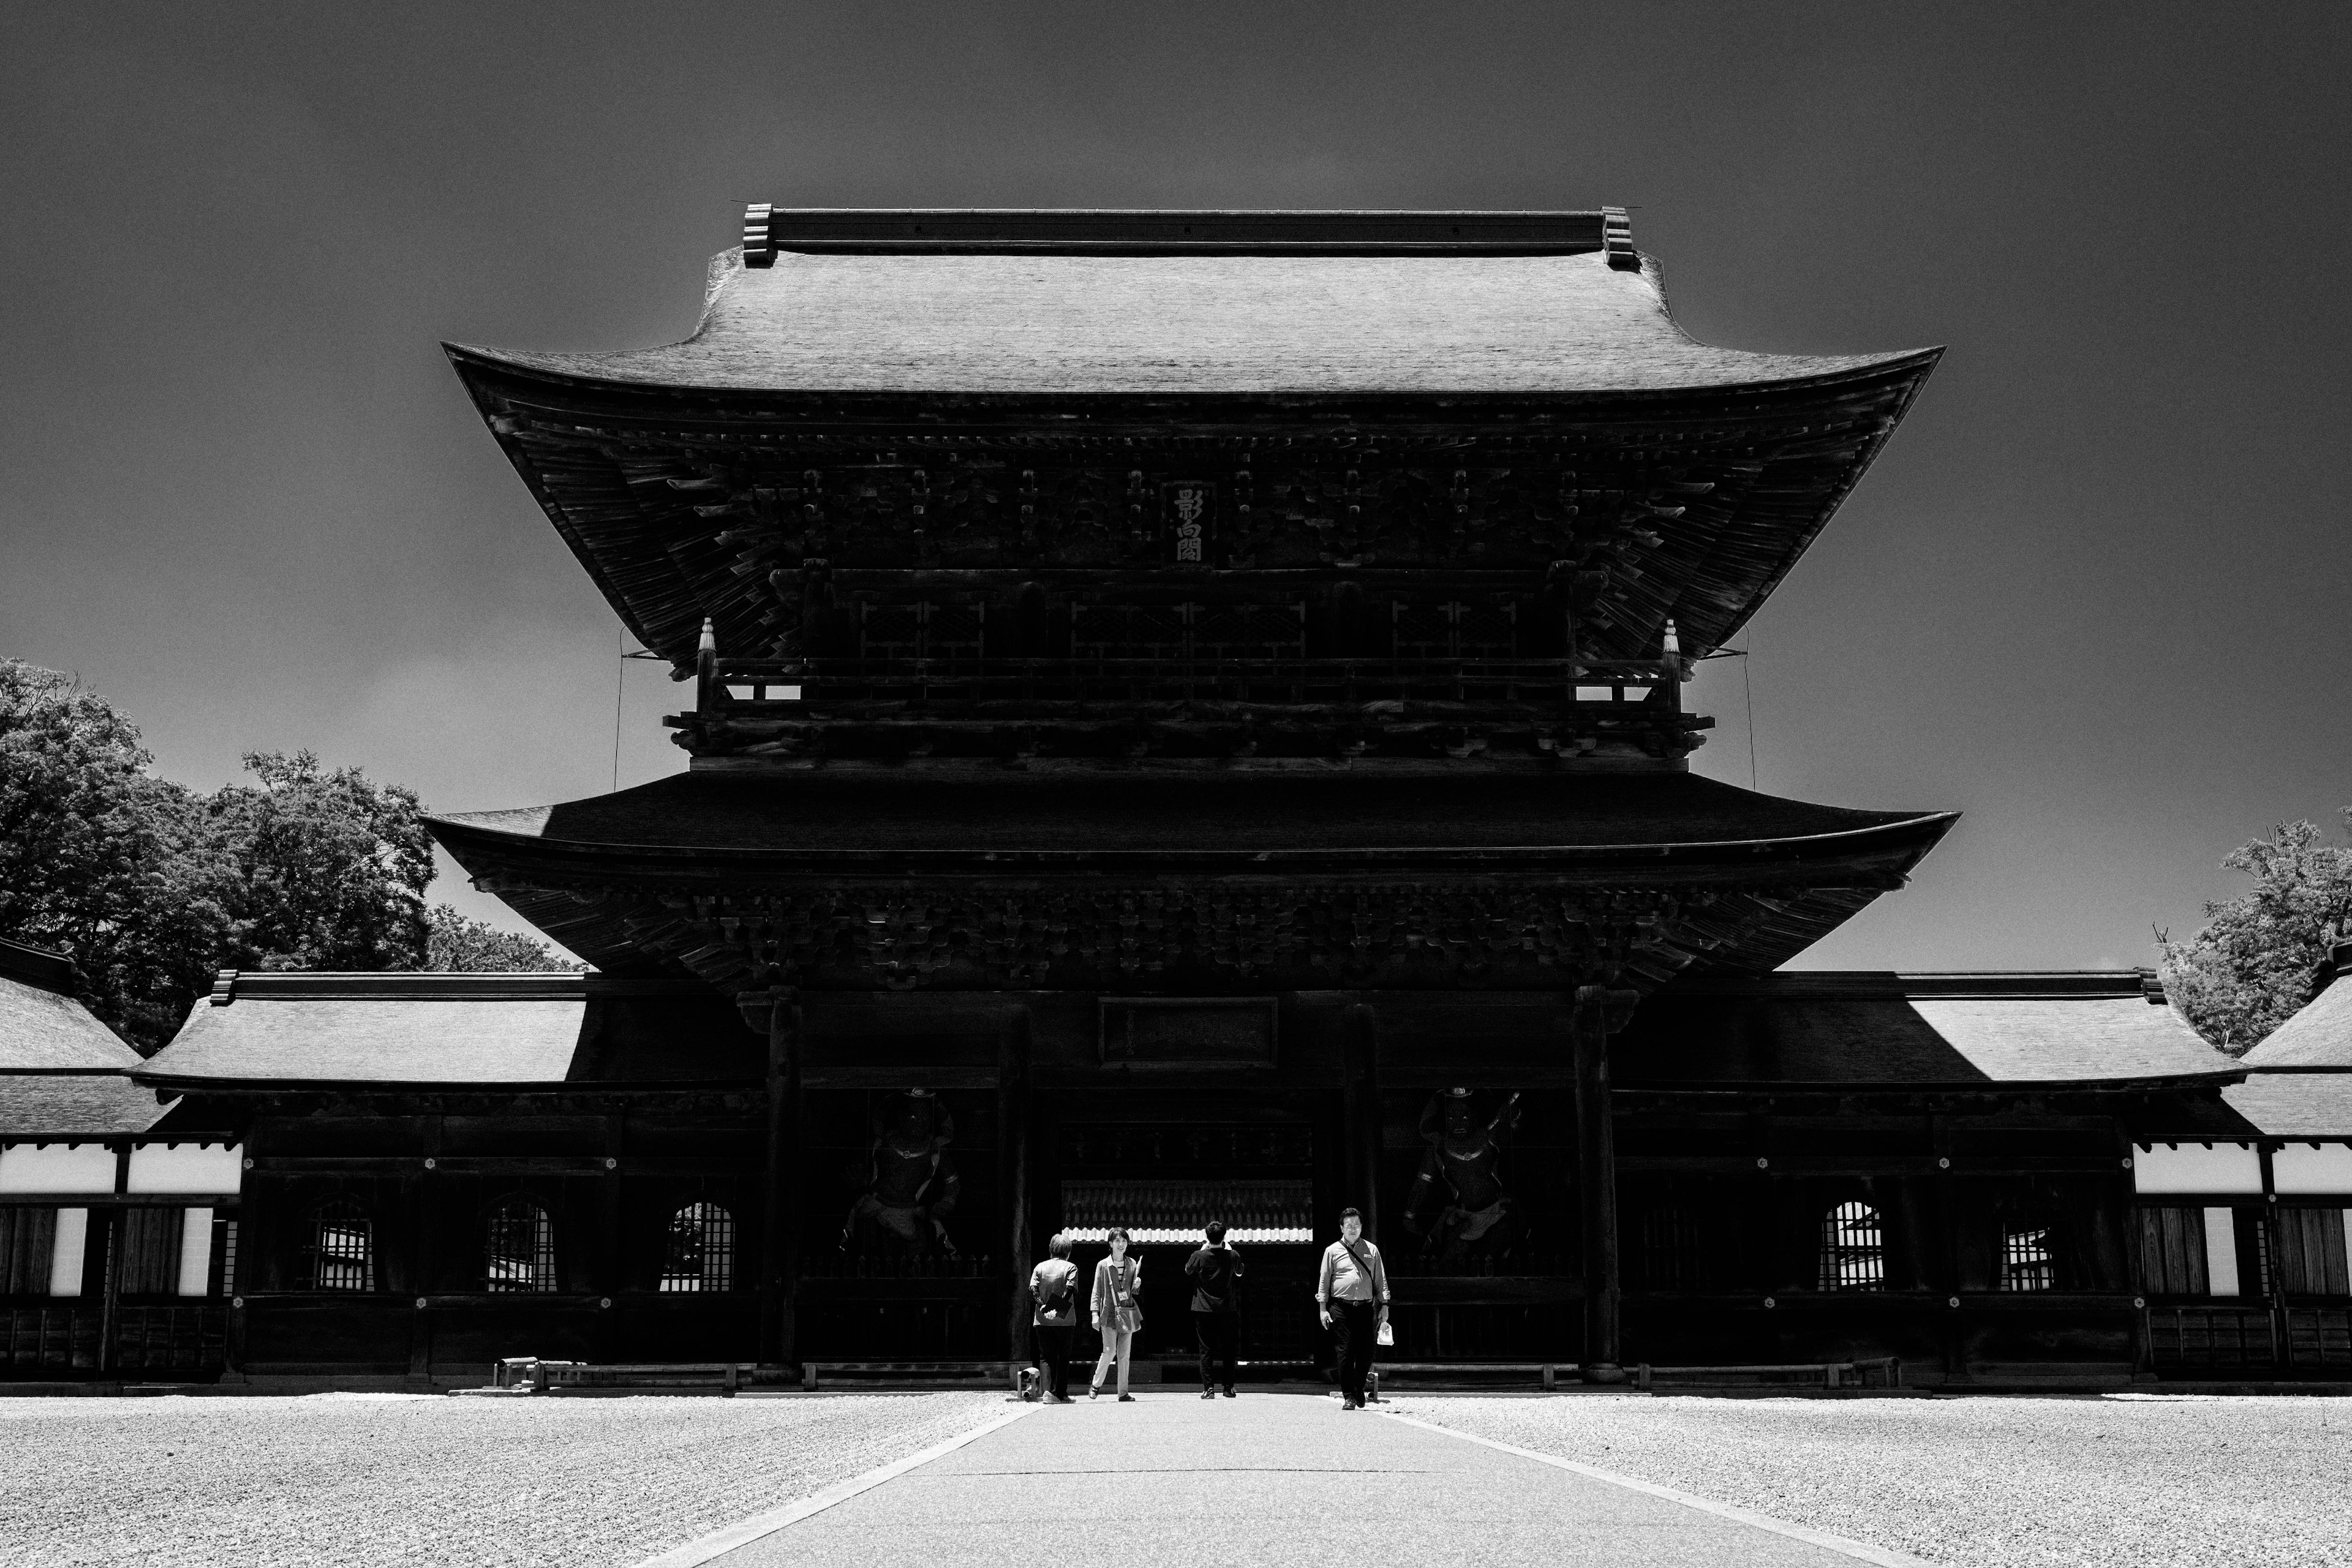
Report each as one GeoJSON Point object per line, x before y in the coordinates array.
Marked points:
{"type": "Point", "coordinates": [1156, 231]}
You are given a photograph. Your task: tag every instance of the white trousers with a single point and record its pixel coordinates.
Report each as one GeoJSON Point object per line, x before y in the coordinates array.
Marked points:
{"type": "Point", "coordinates": [1119, 1343]}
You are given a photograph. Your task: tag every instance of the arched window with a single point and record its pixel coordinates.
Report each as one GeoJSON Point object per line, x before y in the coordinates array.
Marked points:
{"type": "Point", "coordinates": [1853, 1248]}
{"type": "Point", "coordinates": [342, 1247]}
{"type": "Point", "coordinates": [2028, 1256]}
{"type": "Point", "coordinates": [519, 1254]}
{"type": "Point", "coordinates": [701, 1253]}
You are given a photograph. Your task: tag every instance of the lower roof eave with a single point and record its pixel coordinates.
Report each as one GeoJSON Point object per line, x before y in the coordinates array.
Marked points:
{"type": "Point", "coordinates": [259, 1086]}
{"type": "Point", "coordinates": [1891, 846]}
{"type": "Point", "coordinates": [1623, 1086]}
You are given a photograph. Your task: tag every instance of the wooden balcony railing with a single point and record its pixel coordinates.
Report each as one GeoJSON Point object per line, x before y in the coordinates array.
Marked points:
{"type": "Point", "coordinates": [2249, 1337]}
{"type": "Point", "coordinates": [72, 1336]}
{"type": "Point", "coordinates": [1647, 688]}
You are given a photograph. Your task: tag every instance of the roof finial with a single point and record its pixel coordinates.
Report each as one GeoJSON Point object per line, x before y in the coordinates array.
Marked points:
{"type": "Point", "coordinates": [1617, 240]}
{"type": "Point", "coordinates": [706, 667]}
{"type": "Point", "coordinates": [759, 246]}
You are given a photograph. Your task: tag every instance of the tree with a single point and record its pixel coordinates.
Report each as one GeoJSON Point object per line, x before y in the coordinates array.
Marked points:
{"type": "Point", "coordinates": [460, 944]}
{"type": "Point", "coordinates": [100, 859]}
{"type": "Point", "coordinates": [150, 886]}
{"type": "Point", "coordinates": [324, 870]}
{"type": "Point", "coordinates": [2251, 968]}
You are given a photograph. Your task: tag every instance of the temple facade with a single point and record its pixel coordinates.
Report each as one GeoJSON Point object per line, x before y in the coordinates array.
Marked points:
{"type": "Point", "coordinates": [1186, 721]}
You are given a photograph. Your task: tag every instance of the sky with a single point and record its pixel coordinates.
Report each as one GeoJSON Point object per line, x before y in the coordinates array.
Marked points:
{"type": "Point", "coordinates": [2091, 595]}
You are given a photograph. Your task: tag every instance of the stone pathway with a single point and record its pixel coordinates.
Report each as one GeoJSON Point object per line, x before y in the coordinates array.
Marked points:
{"type": "Point", "coordinates": [1285, 1480]}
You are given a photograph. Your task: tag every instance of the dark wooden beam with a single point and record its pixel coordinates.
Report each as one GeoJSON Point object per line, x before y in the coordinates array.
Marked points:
{"type": "Point", "coordinates": [1014, 1120]}
{"type": "Point", "coordinates": [781, 1212]}
{"type": "Point", "coordinates": [1598, 1012]}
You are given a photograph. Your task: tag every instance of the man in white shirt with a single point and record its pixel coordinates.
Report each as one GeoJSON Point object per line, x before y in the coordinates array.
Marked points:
{"type": "Point", "coordinates": [1352, 1294]}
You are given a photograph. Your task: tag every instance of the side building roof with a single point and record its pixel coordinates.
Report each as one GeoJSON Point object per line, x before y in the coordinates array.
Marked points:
{"type": "Point", "coordinates": [2050, 1028]}
{"type": "Point", "coordinates": [62, 1072]}
{"type": "Point", "coordinates": [295, 1030]}
{"type": "Point", "coordinates": [2320, 1035]}
{"type": "Point", "coordinates": [281, 1032]}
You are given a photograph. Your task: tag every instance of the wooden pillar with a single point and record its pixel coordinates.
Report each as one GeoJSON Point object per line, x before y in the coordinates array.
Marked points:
{"type": "Point", "coordinates": [425, 1247]}
{"type": "Point", "coordinates": [781, 1212]}
{"type": "Point", "coordinates": [1361, 1117]}
{"type": "Point", "coordinates": [1597, 1012]}
{"type": "Point", "coordinates": [1014, 1122]}
{"type": "Point", "coordinates": [1953, 1266]}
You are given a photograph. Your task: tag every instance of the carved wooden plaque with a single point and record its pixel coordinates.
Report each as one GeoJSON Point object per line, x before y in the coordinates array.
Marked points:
{"type": "Point", "coordinates": [1188, 1032]}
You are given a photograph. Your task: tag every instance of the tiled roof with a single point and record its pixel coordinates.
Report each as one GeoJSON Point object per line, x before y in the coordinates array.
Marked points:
{"type": "Point", "coordinates": [362, 1030]}
{"type": "Point", "coordinates": [1910, 1029]}
{"type": "Point", "coordinates": [38, 1105]}
{"type": "Point", "coordinates": [860, 813]}
{"type": "Point", "coordinates": [2318, 1035]}
{"type": "Point", "coordinates": [1190, 324]}
{"type": "Point", "coordinates": [2295, 1104]}
{"type": "Point", "coordinates": [42, 1028]}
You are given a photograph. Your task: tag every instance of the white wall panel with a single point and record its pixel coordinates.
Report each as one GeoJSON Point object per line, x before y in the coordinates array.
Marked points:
{"type": "Point", "coordinates": [195, 1252]}
{"type": "Point", "coordinates": [64, 1263]}
{"type": "Point", "coordinates": [2302, 1168]}
{"type": "Point", "coordinates": [2222, 1251]}
{"type": "Point", "coordinates": [83, 1168]}
{"type": "Point", "coordinates": [2197, 1168]}
{"type": "Point", "coordinates": [186, 1167]}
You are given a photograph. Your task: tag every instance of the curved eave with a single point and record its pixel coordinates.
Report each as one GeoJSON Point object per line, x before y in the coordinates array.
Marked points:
{"type": "Point", "coordinates": [166, 1083]}
{"type": "Point", "coordinates": [560, 426]}
{"type": "Point", "coordinates": [497, 849]}
{"type": "Point", "coordinates": [607, 377]}
{"type": "Point", "coordinates": [1627, 1082]}
{"type": "Point", "coordinates": [1831, 876]}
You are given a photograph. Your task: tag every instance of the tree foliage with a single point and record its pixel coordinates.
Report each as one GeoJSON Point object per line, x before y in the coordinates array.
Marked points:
{"type": "Point", "coordinates": [152, 886]}
{"type": "Point", "coordinates": [458, 943]}
{"type": "Point", "coordinates": [2251, 968]}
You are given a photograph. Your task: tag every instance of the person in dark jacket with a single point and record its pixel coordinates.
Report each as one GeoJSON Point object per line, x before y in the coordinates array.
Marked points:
{"type": "Point", "coordinates": [1215, 1271]}
{"type": "Point", "coordinates": [1053, 1287]}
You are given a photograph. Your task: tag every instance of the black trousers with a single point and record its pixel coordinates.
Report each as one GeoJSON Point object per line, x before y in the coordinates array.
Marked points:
{"type": "Point", "coordinates": [1354, 1325]}
{"type": "Point", "coordinates": [1220, 1342]}
{"type": "Point", "coordinates": [1054, 1350]}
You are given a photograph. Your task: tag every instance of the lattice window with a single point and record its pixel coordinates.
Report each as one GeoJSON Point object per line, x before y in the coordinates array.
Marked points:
{"type": "Point", "coordinates": [1455, 630]}
{"type": "Point", "coordinates": [1188, 631]}
{"type": "Point", "coordinates": [2028, 1256]}
{"type": "Point", "coordinates": [1853, 1248]}
{"type": "Point", "coordinates": [519, 1253]}
{"type": "Point", "coordinates": [702, 1251]}
{"type": "Point", "coordinates": [923, 629]}
{"type": "Point", "coordinates": [1249, 631]}
{"type": "Point", "coordinates": [225, 1260]}
{"type": "Point", "coordinates": [342, 1247]}
{"type": "Point", "coordinates": [2172, 1251]}
{"type": "Point", "coordinates": [29, 1239]}
{"type": "Point", "coordinates": [2312, 1248]}
{"type": "Point", "coordinates": [1131, 631]}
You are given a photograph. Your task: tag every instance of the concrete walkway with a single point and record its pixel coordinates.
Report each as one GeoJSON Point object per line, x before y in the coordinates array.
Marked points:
{"type": "Point", "coordinates": [1290, 1479]}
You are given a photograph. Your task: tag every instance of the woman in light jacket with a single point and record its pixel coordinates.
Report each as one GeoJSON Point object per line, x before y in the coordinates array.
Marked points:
{"type": "Point", "coordinates": [1118, 1309]}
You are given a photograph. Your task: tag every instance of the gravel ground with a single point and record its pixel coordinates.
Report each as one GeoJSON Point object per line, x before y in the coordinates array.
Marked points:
{"type": "Point", "coordinates": [2141, 1480]}
{"type": "Point", "coordinates": [364, 1480]}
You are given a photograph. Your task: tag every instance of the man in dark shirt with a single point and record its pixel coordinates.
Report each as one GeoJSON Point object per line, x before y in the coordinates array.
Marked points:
{"type": "Point", "coordinates": [1215, 1272]}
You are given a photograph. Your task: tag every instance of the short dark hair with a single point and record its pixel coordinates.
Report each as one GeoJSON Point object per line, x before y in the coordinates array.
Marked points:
{"type": "Point", "coordinates": [1216, 1231]}
{"type": "Point", "coordinates": [1060, 1245]}
{"type": "Point", "coordinates": [1352, 1214]}
{"type": "Point", "coordinates": [1118, 1233]}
